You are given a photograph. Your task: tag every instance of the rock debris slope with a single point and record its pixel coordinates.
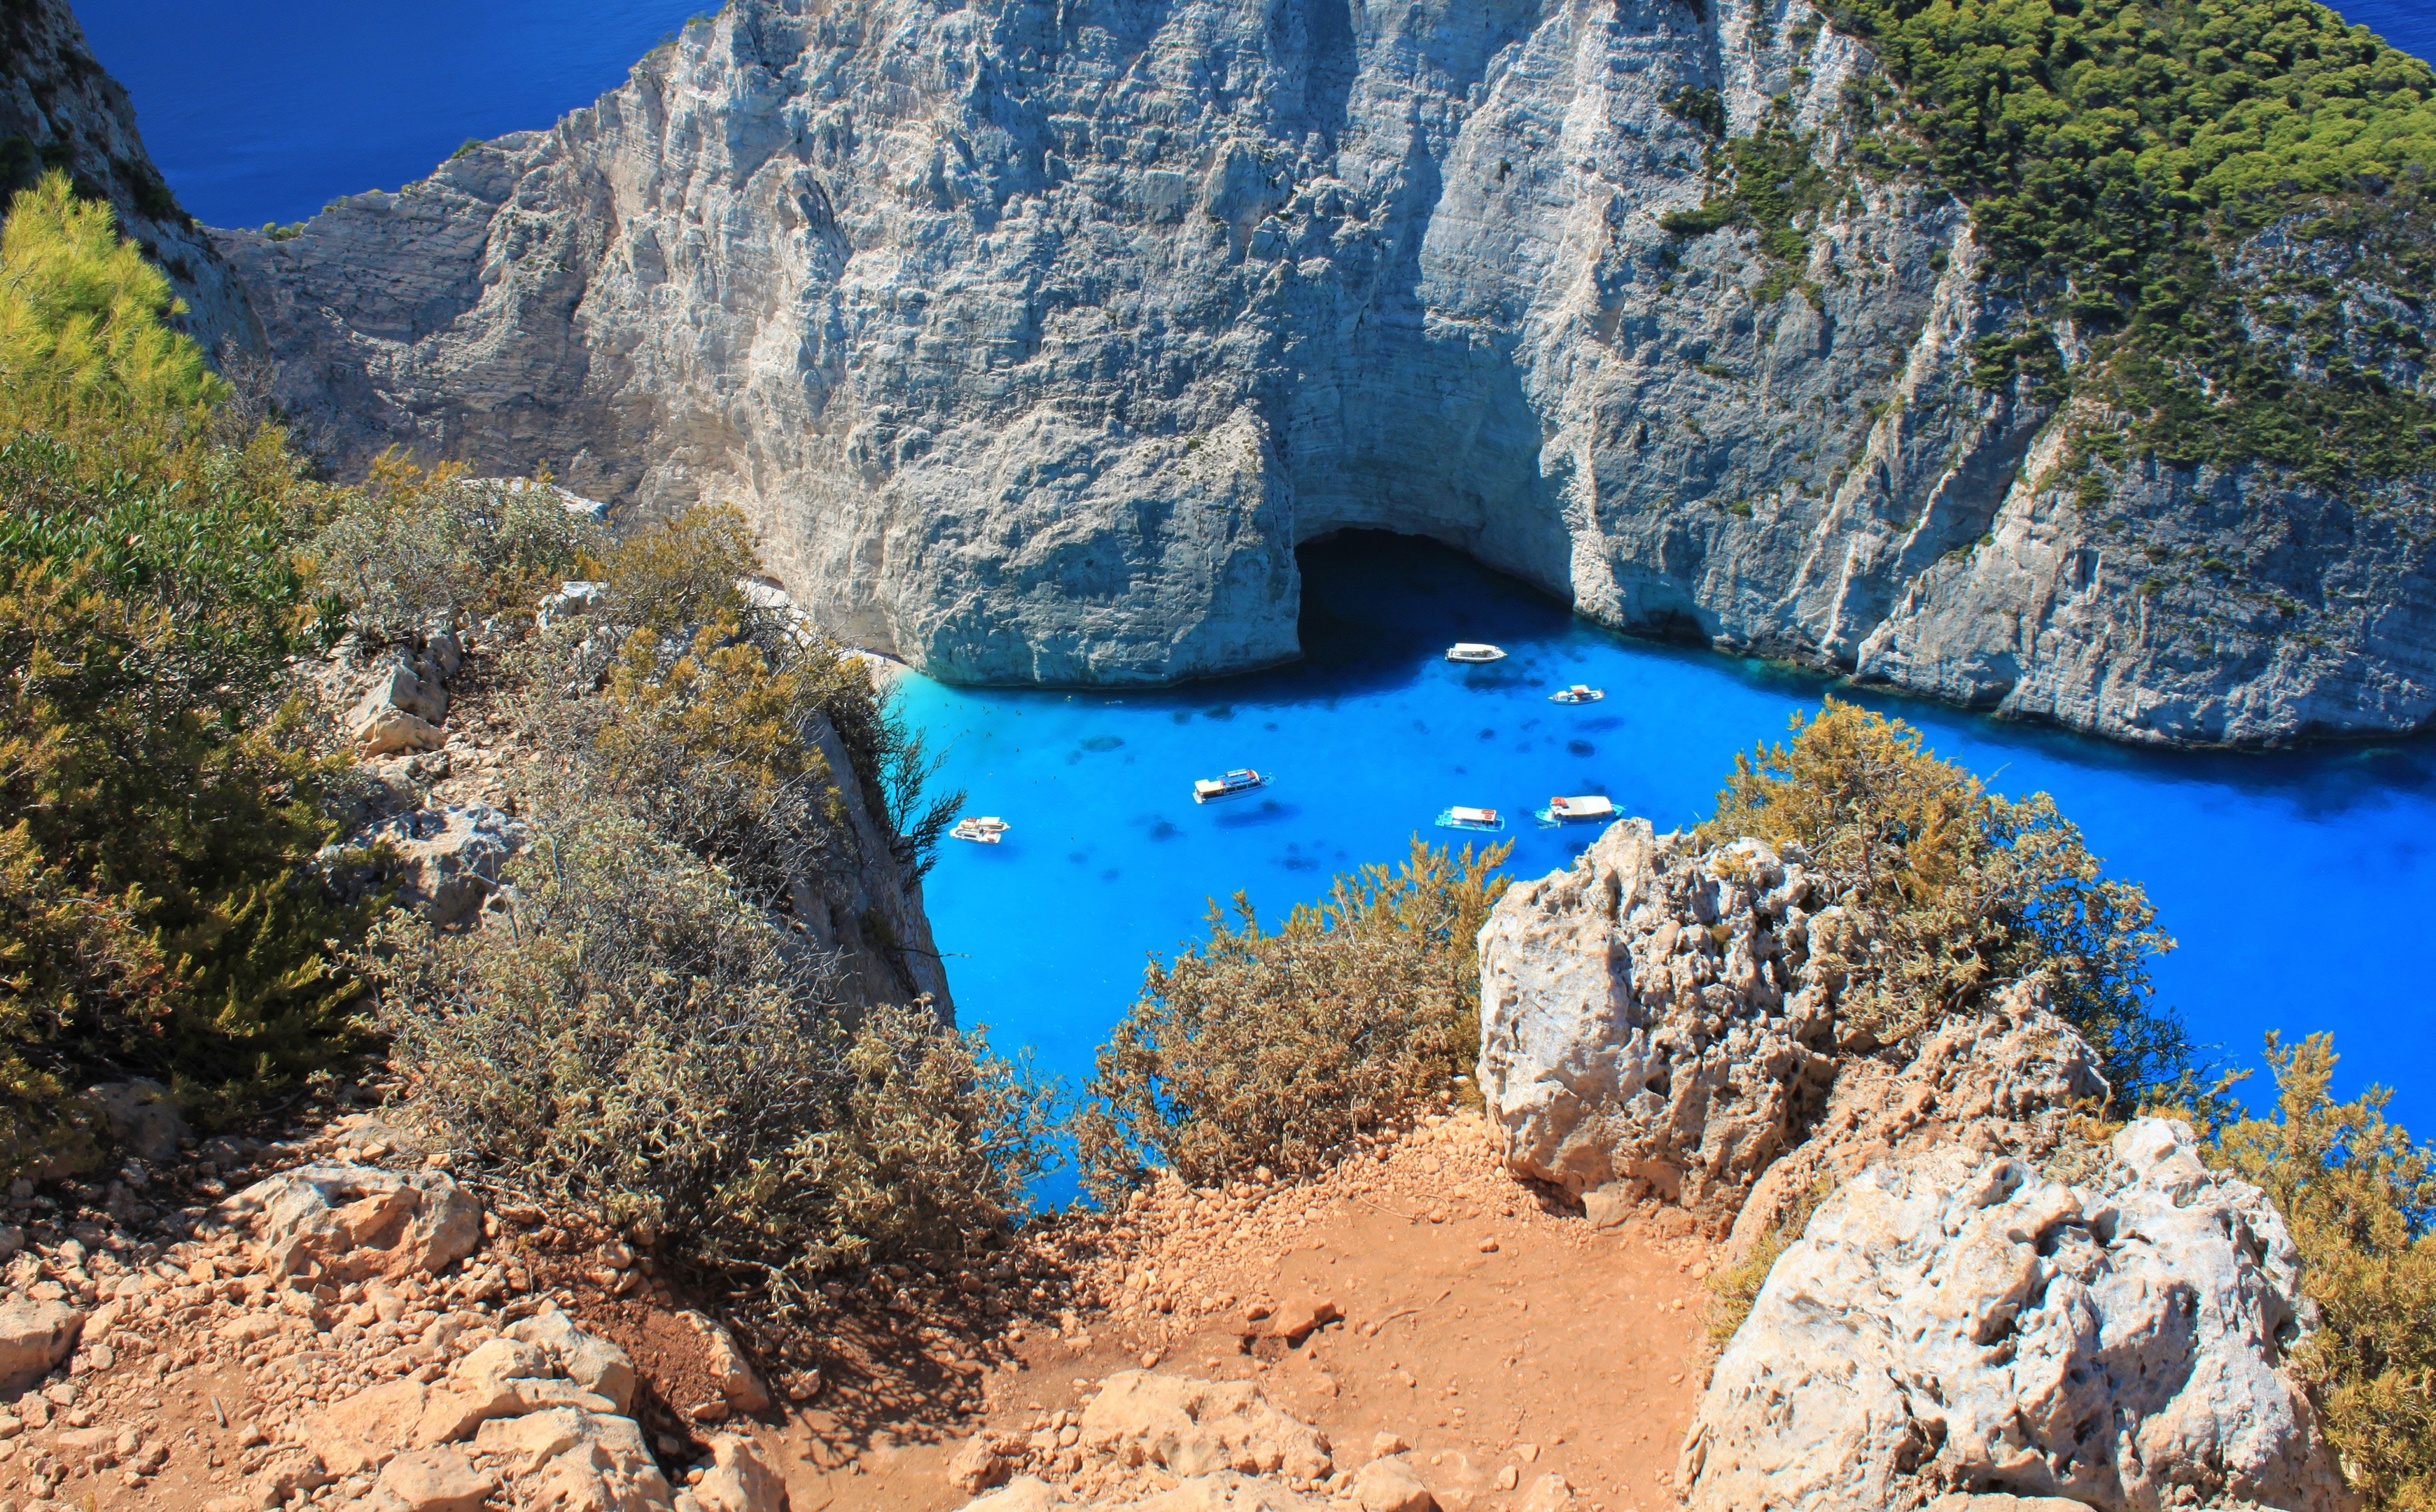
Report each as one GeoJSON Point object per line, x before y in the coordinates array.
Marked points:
{"type": "Point", "coordinates": [1036, 335]}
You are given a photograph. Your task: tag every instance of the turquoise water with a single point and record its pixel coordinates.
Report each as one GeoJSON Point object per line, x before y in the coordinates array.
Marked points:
{"type": "Point", "coordinates": [266, 110]}
{"type": "Point", "coordinates": [2293, 881]}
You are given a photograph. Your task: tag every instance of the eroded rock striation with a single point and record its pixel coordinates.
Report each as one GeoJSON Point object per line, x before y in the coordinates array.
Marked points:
{"type": "Point", "coordinates": [1952, 1321]}
{"type": "Point", "coordinates": [1036, 337]}
{"type": "Point", "coordinates": [1652, 1024]}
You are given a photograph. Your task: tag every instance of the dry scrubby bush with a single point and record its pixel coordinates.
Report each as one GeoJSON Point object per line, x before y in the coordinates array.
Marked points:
{"type": "Point", "coordinates": [1277, 1049]}
{"type": "Point", "coordinates": [413, 548]}
{"type": "Point", "coordinates": [1952, 892]}
{"type": "Point", "coordinates": [638, 1038]}
{"type": "Point", "coordinates": [2360, 1200]}
{"type": "Point", "coordinates": [680, 700]}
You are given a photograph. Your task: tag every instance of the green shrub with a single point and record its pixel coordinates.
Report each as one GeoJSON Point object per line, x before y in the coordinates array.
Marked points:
{"type": "Point", "coordinates": [411, 547]}
{"type": "Point", "coordinates": [1277, 1049]}
{"type": "Point", "coordinates": [1951, 891]}
{"type": "Point", "coordinates": [2112, 150]}
{"type": "Point", "coordinates": [160, 911]}
{"type": "Point", "coordinates": [2360, 1200]}
{"type": "Point", "coordinates": [82, 346]}
{"type": "Point", "coordinates": [639, 1039]}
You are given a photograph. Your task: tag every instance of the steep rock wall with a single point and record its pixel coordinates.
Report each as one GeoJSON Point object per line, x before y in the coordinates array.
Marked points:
{"type": "Point", "coordinates": [59, 110]}
{"type": "Point", "coordinates": [1036, 334]}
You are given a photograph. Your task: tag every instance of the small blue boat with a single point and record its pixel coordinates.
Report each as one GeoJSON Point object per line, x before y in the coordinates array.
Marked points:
{"type": "Point", "coordinates": [1460, 818]}
{"type": "Point", "coordinates": [1242, 779]}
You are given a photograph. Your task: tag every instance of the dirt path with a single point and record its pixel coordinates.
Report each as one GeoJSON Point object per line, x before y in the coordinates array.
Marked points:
{"type": "Point", "coordinates": [1489, 1327]}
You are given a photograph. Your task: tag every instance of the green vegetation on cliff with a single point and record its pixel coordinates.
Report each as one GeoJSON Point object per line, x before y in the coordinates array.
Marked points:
{"type": "Point", "coordinates": [2116, 154]}
{"type": "Point", "coordinates": [159, 803]}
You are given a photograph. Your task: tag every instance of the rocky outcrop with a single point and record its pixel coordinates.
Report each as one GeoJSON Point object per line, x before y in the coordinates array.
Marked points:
{"type": "Point", "coordinates": [1652, 1025]}
{"type": "Point", "coordinates": [1953, 1322]}
{"type": "Point", "coordinates": [59, 110]}
{"type": "Point", "coordinates": [1036, 337]}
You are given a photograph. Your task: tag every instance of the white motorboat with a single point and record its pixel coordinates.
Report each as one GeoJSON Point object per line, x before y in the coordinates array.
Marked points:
{"type": "Point", "coordinates": [982, 830]}
{"type": "Point", "coordinates": [1578, 693]}
{"type": "Point", "coordinates": [1473, 651]}
{"type": "Point", "coordinates": [1242, 779]}
{"type": "Point", "coordinates": [1461, 818]}
{"type": "Point", "coordinates": [1573, 810]}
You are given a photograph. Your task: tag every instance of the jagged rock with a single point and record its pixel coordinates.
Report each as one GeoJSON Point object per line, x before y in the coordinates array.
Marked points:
{"type": "Point", "coordinates": [981, 1463]}
{"type": "Point", "coordinates": [34, 1336]}
{"type": "Point", "coordinates": [141, 1116]}
{"type": "Point", "coordinates": [1649, 1017]}
{"type": "Point", "coordinates": [1651, 1025]}
{"type": "Point", "coordinates": [1391, 1485]}
{"type": "Point", "coordinates": [587, 1359]}
{"type": "Point", "coordinates": [739, 1385]}
{"type": "Point", "coordinates": [359, 1221]}
{"type": "Point", "coordinates": [1954, 1321]}
{"type": "Point", "coordinates": [363, 1432]}
{"type": "Point", "coordinates": [739, 1480]}
{"type": "Point", "coordinates": [606, 1467]}
{"type": "Point", "coordinates": [386, 731]}
{"type": "Point", "coordinates": [1192, 1427]}
{"type": "Point", "coordinates": [2004, 1082]}
{"type": "Point", "coordinates": [400, 710]}
{"type": "Point", "coordinates": [987, 291]}
{"type": "Point", "coordinates": [448, 860]}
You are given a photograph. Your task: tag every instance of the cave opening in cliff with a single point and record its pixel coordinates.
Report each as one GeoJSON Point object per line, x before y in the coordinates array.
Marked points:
{"type": "Point", "coordinates": [1376, 599]}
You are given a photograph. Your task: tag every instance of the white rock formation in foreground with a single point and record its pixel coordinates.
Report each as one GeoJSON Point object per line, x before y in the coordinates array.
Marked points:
{"type": "Point", "coordinates": [1950, 1321]}
{"type": "Point", "coordinates": [1650, 1023]}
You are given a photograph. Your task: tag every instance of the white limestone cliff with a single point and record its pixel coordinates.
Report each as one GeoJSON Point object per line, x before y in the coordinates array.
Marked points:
{"type": "Point", "coordinates": [1035, 336]}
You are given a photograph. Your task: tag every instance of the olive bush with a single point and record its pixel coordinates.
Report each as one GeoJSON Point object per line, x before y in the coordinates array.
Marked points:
{"type": "Point", "coordinates": [1277, 1049]}
{"type": "Point", "coordinates": [1953, 891]}
{"type": "Point", "coordinates": [2360, 1200]}
{"type": "Point", "coordinates": [638, 1038]}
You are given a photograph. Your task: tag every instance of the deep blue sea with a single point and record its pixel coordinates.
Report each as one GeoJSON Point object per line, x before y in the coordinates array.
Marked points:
{"type": "Point", "coordinates": [2291, 881]}
{"type": "Point", "coordinates": [2297, 884]}
{"type": "Point", "coordinates": [266, 109]}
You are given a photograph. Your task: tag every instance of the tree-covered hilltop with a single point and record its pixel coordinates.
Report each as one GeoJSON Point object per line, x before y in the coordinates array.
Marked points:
{"type": "Point", "coordinates": [2121, 156]}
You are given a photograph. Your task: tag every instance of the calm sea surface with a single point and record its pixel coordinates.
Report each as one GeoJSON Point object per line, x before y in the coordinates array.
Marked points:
{"type": "Point", "coordinates": [266, 109]}
{"type": "Point", "coordinates": [2297, 884]}
{"type": "Point", "coordinates": [2291, 881]}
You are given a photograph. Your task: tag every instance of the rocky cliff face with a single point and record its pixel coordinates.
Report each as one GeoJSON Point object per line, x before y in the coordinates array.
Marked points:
{"type": "Point", "coordinates": [59, 110]}
{"type": "Point", "coordinates": [1036, 334]}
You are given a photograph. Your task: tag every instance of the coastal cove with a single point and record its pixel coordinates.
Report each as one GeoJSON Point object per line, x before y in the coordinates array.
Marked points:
{"type": "Point", "coordinates": [2275, 873]}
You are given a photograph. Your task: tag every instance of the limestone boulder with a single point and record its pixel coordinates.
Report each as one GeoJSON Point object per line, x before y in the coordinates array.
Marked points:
{"type": "Point", "coordinates": [739, 1385]}
{"type": "Point", "coordinates": [1392, 1484]}
{"type": "Point", "coordinates": [605, 1466]}
{"type": "Point", "coordinates": [585, 1358]}
{"type": "Point", "coordinates": [449, 861]}
{"type": "Point", "coordinates": [140, 1115]}
{"type": "Point", "coordinates": [34, 1337]}
{"type": "Point", "coordinates": [364, 1432]}
{"type": "Point", "coordinates": [1653, 1026]}
{"type": "Point", "coordinates": [358, 1222]}
{"type": "Point", "coordinates": [1955, 1322]}
{"type": "Point", "coordinates": [740, 1479]}
{"type": "Point", "coordinates": [399, 709]}
{"type": "Point", "coordinates": [431, 1480]}
{"type": "Point", "coordinates": [1649, 1017]}
{"type": "Point", "coordinates": [1190, 1428]}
